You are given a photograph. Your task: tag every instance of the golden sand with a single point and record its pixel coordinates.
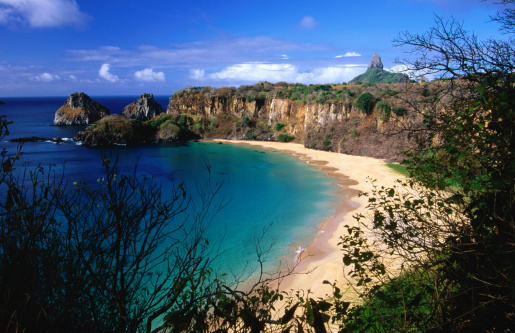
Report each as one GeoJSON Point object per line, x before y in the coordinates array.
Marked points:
{"type": "Point", "coordinates": [323, 258]}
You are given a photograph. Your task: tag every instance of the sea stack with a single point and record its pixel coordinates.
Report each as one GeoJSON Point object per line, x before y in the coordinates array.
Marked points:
{"type": "Point", "coordinates": [375, 62]}
{"type": "Point", "coordinates": [79, 109]}
{"type": "Point", "coordinates": [144, 108]}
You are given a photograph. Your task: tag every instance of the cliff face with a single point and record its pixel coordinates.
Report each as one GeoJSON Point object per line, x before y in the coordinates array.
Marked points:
{"type": "Point", "coordinates": [297, 116]}
{"type": "Point", "coordinates": [319, 116]}
{"type": "Point", "coordinates": [79, 109]}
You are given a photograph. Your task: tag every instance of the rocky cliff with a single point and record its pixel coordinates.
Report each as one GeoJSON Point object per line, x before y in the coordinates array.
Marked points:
{"type": "Point", "coordinates": [320, 116]}
{"type": "Point", "coordinates": [79, 109]}
{"type": "Point", "coordinates": [143, 109]}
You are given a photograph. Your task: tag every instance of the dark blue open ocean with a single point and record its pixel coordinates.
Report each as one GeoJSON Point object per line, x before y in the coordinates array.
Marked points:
{"type": "Point", "coordinates": [265, 187]}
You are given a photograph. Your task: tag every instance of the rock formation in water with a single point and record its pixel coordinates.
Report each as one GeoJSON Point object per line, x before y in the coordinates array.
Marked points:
{"type": "Point", "coordinates": [143, 109]}
{"type": "Point", "coordinates": [79, 109]}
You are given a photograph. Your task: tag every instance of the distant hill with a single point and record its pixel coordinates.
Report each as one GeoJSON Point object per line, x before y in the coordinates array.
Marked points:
{"type": "Point", "coordinates": [376, 74]}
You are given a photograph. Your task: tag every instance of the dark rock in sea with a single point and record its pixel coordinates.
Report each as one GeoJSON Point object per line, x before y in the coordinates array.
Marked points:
{"type": "Point", "coordinates": [375, 62]}
{"type": "Point", "coordinates": [79, 109]}
{"type": "Point", "coordinates": [36, 139]}
{"type": "Point", "coordinates": [143, 109]}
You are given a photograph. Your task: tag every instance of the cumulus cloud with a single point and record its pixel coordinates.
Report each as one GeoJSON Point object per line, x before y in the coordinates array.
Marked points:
{"type": "Point", "coordinates": [308, 22]}
{"type": "Point", "coordinates": [349, 54]}
{"type": "Point", "coordinates": [197, 74]}
{"type": "Point", "coordinates": [42, 13]}
{"type": "Point", "coordinates": [104, 73]}
{"type": "Point", "coordinates": [148, 75]}
{"type": "Point", "coordinates": [46, 77]}
{"type": "Point", "coordinates": [253, 72]}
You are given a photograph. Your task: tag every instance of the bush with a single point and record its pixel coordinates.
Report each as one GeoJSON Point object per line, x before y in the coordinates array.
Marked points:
{"type": "Point", "coordinates": [383, 110]}
{"type": "Point", "coordinates": [284, 137]}
{"type": "Point", "coordinates": [365, 102]}
{"type": "Point", "coordinates": [399, 110]}
{"type": "Point", "coordinates": [279, 126]}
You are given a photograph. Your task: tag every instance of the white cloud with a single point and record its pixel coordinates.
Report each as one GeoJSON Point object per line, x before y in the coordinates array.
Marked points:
{"type": "Point", "coordinates": [257, 72]}
{"type": "Point", "coordinates": [349, 54]}
{"type": "Point", "coordinates": [195, 54]}
{"type": "Point", "coordinates": [253, 72]}
{"type": "Point", "coordinates": [284, 57]}
{"type": "Point", "coordinates": [413, 74]}
{"type": "Point", "coordinates": [148, 75]}
{"type": "Point", "coordinates": [308, 22]}
{"type": "Point", "coordinates": [197, 74]}
{"type": "Point", "coordinates": [42, 13]}
{"type": "Point", "coordinates": [46, 77]}
{"type": "Point", "coordinates": [104, 73]}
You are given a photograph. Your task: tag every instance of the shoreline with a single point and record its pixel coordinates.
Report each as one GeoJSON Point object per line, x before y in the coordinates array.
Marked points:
{"type": "Point", "coordinates": [322, 259]}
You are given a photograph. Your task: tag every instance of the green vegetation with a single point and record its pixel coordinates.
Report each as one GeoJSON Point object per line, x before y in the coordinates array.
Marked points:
{"type": "Point", "coordinates": [399, 168]}
{"type": "Point", "coordinates": [279, 126]}
{"type": "Point", "coordinates": [453, 268]}
{"type": "Point", "coordinates": [399, 110]}
{"type": "Point", "coordinates": [285, 137]}
{"type": "Point", "coordinates": [365, 102]}
{"type": "Point", "coordinates": [378, 75]}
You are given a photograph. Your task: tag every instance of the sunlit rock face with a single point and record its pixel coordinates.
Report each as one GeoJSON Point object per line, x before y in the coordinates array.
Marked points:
{"type": "Point", "coordinates": [375, 62]}
{"type": "Point", "coordinates": [79, 109]}
{"type": "Point", "coordinates": [143, 109]}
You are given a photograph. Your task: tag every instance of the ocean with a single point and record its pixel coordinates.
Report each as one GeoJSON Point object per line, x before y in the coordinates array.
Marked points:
{"type": "Point", "coordinates": [267, 190]}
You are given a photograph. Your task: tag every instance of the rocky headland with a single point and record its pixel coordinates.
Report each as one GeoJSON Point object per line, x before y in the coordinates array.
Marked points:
{"type": "Point", "coordinates": [79, 109]}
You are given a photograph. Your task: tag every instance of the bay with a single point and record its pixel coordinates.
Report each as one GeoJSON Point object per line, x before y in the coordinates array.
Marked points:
{"type": "Point", "coordinates": [268, 190]}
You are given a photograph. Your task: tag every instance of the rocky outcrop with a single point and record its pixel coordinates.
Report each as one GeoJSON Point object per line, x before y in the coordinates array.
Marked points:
{"type": "Point", "coordinates": [79, 109]}
{"type": "Point", "coordinates": [143, 109]}
{"type": "Point", "coordinates": [375, 62]}
{"type": "Point", "coordinates": [115, 130]}
{"type": "Point", "coordinates": [376, 74]}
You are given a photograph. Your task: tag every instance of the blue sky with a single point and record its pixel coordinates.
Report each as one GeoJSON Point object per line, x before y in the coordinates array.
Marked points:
{"type": "Point", "coordinates": [112, 47]}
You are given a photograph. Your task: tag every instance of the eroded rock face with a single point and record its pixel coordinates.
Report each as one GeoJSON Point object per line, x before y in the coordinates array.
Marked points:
{"type": "Point", "coordinates": [143, 109]}
{"type": "Point", "coordinates": [79, 109]}
{"type": "Point", "coordinates": [375, 62]}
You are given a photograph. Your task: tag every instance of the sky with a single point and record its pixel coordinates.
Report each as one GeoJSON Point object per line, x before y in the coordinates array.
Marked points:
{"type": "Point", "coordinates": [129, 47]}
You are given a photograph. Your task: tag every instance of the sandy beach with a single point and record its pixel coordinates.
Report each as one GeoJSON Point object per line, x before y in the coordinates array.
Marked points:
{"type": "Point", "coordinates": [323, 258]}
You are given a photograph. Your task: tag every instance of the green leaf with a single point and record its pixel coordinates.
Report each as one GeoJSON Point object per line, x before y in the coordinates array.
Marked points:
{"type": "Point", "coordinates": [289, 314]}
{"type": "Point", "coordinates": [309, 313]}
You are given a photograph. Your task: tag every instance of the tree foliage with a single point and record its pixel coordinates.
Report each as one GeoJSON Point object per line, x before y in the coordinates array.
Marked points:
{"type": "Point", "coordinates": [449, 230]}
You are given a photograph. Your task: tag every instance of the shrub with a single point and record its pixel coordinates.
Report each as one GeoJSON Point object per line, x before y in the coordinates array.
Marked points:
{"type": "Point", "coordinates": [399, 110]}
{"type": "Point", "coordinates": [384, 109]}
{"type": "Point", "coordinates": [279, 126]}
{"type": "Point", "coordinates": [365, 102]}
{"type": "Point", "coordinates": [182, 121]}
{"type": "Point", "coordinates": [284, 137]}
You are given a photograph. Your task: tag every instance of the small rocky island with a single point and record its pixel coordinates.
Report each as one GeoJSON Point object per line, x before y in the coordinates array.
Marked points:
{"type": "Point", "coordinates": [142, 121]}
{"type": "Point", "coordinates": [145, 108]}
{"type": "Point", "coordinates": [79, 109]}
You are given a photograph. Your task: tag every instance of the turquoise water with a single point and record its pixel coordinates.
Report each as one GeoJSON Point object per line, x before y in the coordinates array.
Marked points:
{"type": "Point", "coordinates": [266, 189]}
